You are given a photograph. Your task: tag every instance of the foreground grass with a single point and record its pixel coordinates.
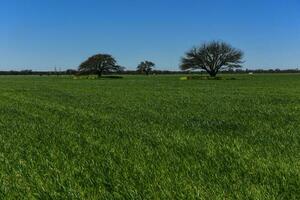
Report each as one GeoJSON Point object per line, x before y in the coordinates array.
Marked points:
{"type": "Point", "coordinates": [150, 138]}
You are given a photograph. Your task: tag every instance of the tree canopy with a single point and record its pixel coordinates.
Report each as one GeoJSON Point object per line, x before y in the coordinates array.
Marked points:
{"type": "Point", "coordinates": [145, 67]}
{"type": "Point", "coordinates": [99, 64]}
{"type": "Point", "coordinates": [212, 57]}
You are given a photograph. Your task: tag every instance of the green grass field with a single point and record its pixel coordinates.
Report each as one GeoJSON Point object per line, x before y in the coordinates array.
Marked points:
{"type": "Point", "coordinates": [155, 137]}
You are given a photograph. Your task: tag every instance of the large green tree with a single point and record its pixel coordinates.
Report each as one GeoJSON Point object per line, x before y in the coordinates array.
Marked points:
{"type": "Point", "coordinates": [99, 64]}
{"type": "Point", "coordinates": [145, 67]}
{"type": "Point", "coordinates": [212, 57]}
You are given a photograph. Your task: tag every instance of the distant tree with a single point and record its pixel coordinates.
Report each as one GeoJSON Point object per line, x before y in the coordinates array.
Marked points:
{"type": "Point", "coordinates": [212, 57]}
{"type": "Point", "coordinates": [26, 72]}
{"type": "Point", "coordinates": [120, 69]}
{"type": "Point", "coordinates": [145, 67]}
{"type": "Point", "coordinates": [99, 64]}
{"type": "Point", "coordinates": [71, 71]}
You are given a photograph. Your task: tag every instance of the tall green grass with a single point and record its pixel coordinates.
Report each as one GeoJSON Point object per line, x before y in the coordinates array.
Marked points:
{"type": "Point", "coordinates": [155, 137]}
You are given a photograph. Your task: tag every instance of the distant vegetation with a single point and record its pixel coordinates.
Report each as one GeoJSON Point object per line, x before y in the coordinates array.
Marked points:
{"type": "Point", "coordinates": [132, 72]}
{"type": "Point", "coordinates": [145, 67]}
{"type": "Point", "coordinates": [212, 57]}
{"type": "Point", "coordinates": [99, 64]}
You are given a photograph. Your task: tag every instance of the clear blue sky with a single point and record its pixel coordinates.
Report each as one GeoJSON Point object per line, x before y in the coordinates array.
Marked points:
{"type": "Point", "coordinates": [41, 34]}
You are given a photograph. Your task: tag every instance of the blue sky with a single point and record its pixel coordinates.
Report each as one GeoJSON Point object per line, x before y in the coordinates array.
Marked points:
{"type": "Point", "coordinates": [42, 34]}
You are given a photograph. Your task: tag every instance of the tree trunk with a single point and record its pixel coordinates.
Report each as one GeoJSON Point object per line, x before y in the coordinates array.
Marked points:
{"type": "Point", "coordinates": [212, 73]}
{"type": "Point", "coordinates": [99, 73]}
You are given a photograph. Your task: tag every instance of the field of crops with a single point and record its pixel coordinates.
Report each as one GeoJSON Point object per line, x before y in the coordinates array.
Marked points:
{"type": "Point", "coordinates": [155, 137]}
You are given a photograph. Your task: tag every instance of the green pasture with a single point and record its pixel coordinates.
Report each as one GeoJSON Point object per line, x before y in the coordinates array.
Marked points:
{"type": "Point", "coordinates": [150, 137]}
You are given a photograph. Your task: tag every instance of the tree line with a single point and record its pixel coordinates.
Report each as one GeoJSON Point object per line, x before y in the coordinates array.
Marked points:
{"type": "Point", "coordinates": [211, 58]}
{"type": "Point", "coordinates": [153, 72]}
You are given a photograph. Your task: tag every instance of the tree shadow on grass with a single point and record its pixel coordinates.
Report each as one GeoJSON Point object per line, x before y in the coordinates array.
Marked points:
{"type": "Point", "coordinates": [97, 78]}
{"type": "Point", "coordinates": [206, 78]}
{"type": "Point", "coordinates": [110, 77]}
